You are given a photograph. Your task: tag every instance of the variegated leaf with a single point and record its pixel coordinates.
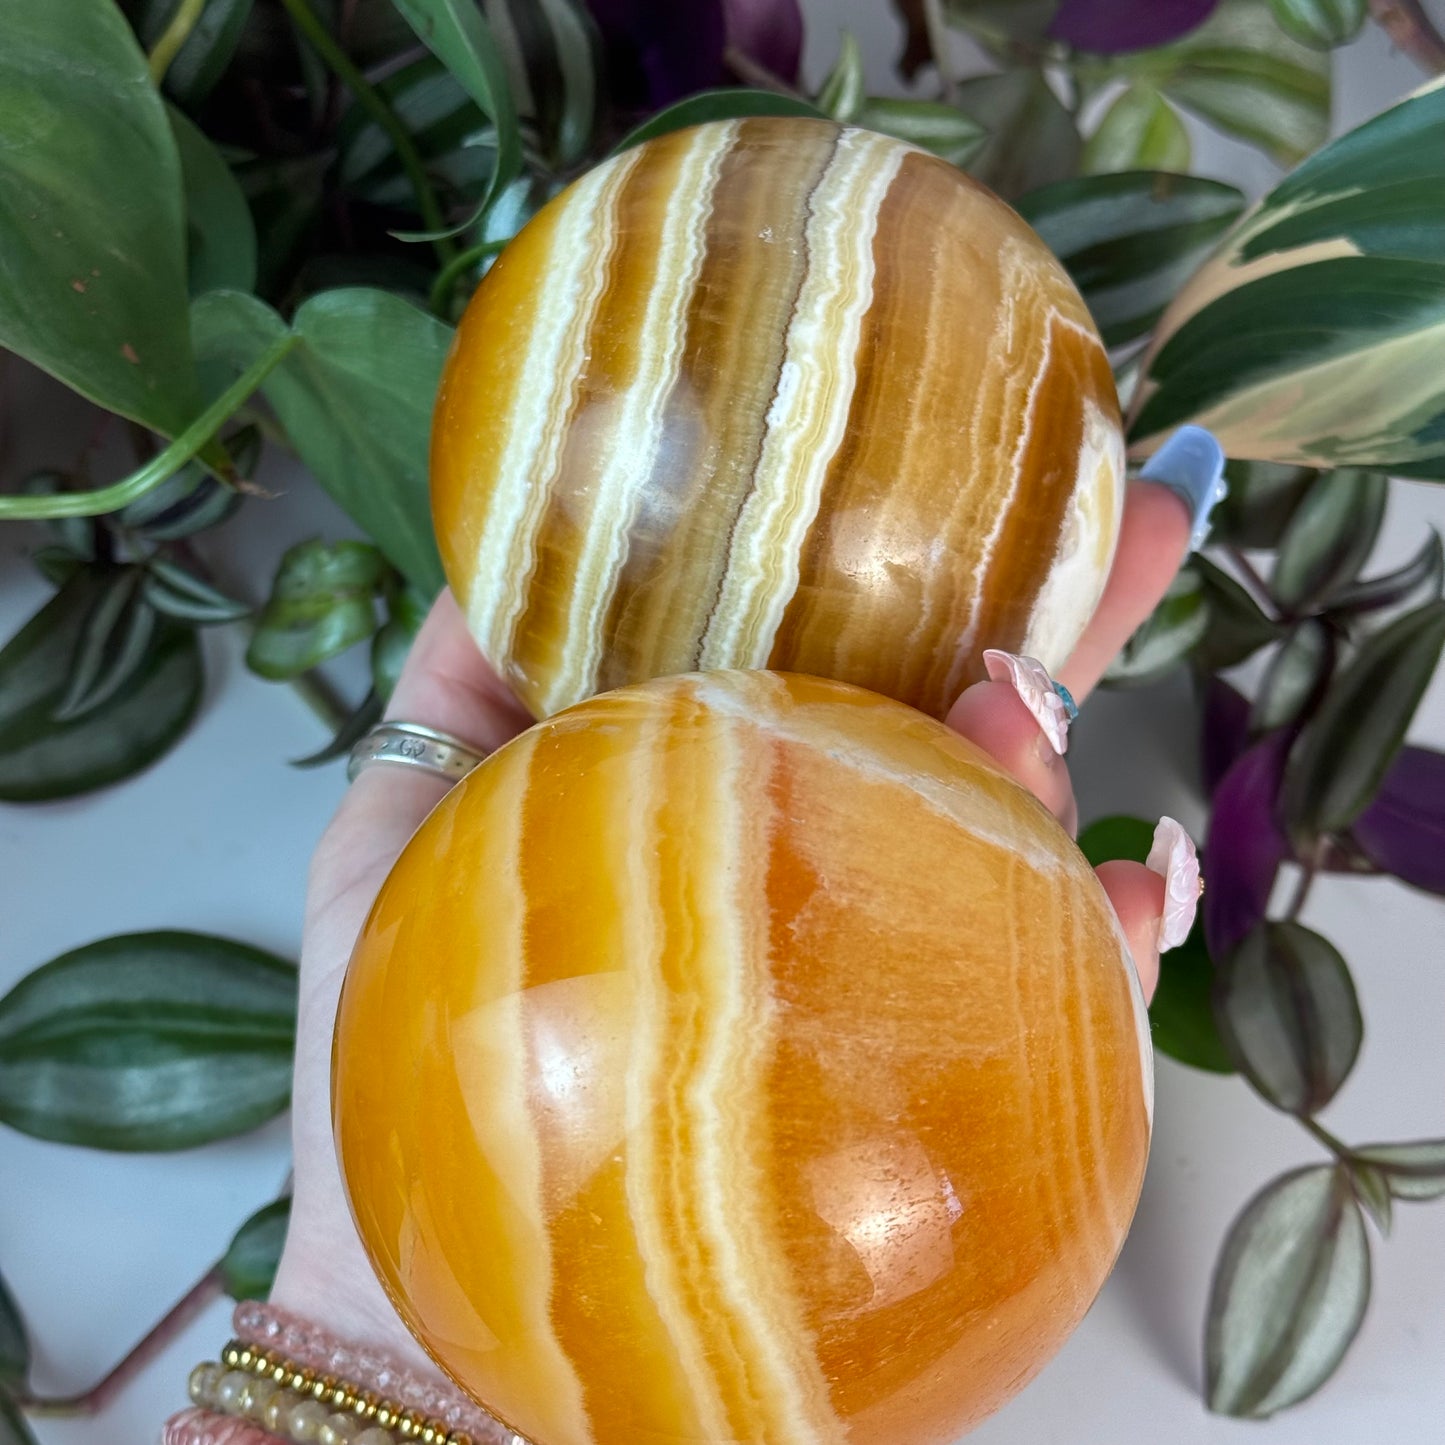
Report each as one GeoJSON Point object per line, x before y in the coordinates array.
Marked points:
{"type": "Point", "coordinates": [1313, 334]}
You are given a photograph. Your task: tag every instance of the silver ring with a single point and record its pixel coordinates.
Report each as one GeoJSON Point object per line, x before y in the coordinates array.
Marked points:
{"type": "Point", "coordinates": [413, 746]}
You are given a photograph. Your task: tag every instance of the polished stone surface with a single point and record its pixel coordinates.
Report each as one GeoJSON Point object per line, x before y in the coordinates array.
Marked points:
{"type": "Point", "coordinates": [742, 1058]}
{"type": "Point", "coordinates": [775, 393]}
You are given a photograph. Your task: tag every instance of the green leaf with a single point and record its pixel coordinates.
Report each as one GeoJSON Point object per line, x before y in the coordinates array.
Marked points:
{"type": "Point", "coordinates": [202, 60]}
{"type": "Point", "coordinates": [1424, 572]}
{"type": "Point", "coordinates": [1322, 24]}
{"type": "Point", "coordinates": [248, 1266]}
{"type": "Point", "coordinates": [392, 643]}
{"type": "Point", "coordinates": [1414, 1171]}
{"type": "Point", "coordinates": [113, 644]}
{"type": "Point", "coordinates": [190, 500]}
{"type": "Point", "coordinates": [13, 1428]}
{"type": "Point", "coordinates": [1288, 1295]}
{"type": "Point", "coordinates": [220, 235]}
{"type": "Point", "coordinates": [352, 730]}
{"type": "Point", "coordinates": [1181, 1014]}
{"type": "Point", "coordinates": [76, 534]}
{"type": "Point", "coordinates": [841, 97]}
{"type": "Point", "coordinates": [1246, 77]}
{"type": "Point", "coordinates": [554, 57]}
{"type": "Point", "coordinates": [935, 127]}
{"type": "Point", "coordinates": [14, 1346]}
{"type": "Point", "coordinates": [455, 32]}
{"type": "Point", "coordinates": [92, 288]}
{"type": "Point", "coordinates": [56, 564]}
{"type": "Point", "coordinates": [1329, 538]}
{"type": "Point", "coordinates": [1372, 1189]}
{"type": "Point", "coordinates": [1342, 757]}
{"type": "Point", "coordinates": [148, 1041]}
{"type": "Point", "coordinates": [707, 105]}
{"type": "Point", "coordinates": [1364, 331]}
{"type": "Point", "coordinates": [1130, 240]}
{"type": "Point", "coordinates": [1139, 131]}
{"type": "Point", "coordinates": [322, 602]}
{"type": "Point", "coordinates": [1288, 1014]}
{"type": "Point", "coordinates": [998, 22]}
{"type": "Point", "coordinates": [1032, 139]}
{"type": "Point", "coordinates": [1171, 632]}
{"type": "Point", "coordinates": [1261, 500]}
{"type": "Point", "coordinates": [1237, 626]}
{"type": "Point", "coordinates": [40, 758]}
{"type": "Point", "coordinates": [1297, 674]}
{"type": "Point", "coordinates": [356, 400]}
{"type": "Point", "coordinates": [178, 593]}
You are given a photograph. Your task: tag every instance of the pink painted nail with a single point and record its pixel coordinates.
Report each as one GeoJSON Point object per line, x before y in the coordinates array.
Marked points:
{"type": "Point", "coordinates": [1043, 697]}
{"type": "Point", "coordinates": [1173, 858]}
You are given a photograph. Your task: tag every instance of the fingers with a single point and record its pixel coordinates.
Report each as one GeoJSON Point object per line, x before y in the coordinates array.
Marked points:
{"type": "Point", "coordinates": [1137, 894]}
{"type": "Point", "coordinates": [1153, 543]}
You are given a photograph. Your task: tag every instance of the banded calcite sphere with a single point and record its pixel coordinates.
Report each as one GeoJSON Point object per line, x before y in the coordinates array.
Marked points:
{"type": "Point", "coordinates": [775, 393]}
{"type": "Point", "coordinates": [741, 1059]}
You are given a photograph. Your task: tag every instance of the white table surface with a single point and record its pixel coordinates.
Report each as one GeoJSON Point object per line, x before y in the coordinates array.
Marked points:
{"type": "Point", "coordinates": [217, 837]}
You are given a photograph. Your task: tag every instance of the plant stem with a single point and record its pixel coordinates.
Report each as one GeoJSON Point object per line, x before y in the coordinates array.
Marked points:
{"type": "Point", "coordinates": [1257, 584]}
{"type": "Point", "coordinates": [199, 1297]}
{"type": "Point", "coordinates": [1338, 1149]}
{"type": "Point", "coordinates": [164, 464]}
{"type": "Point", "coordinates": [322, 699]}
{"type": "Point", "coordinates": [1412, 30]}
{"type": "Point", "coordinates": [760, 77]}
{"type": "Point", "coordinates": [173, 37]}
{"type": "Point", "coordinates": [374, 103]}
{"type": "Point", "coordinates": [441, 291]}
{"type": "Point", "coordinates": [1302, 891]}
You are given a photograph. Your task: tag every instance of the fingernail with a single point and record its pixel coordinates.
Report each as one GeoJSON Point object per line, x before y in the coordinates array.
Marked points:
{"type": "Point", "coordinates": [1173, 858]}
{"type": "Point", "coordinates": [1191, 465]}
{"type": "Point", "coordinates": [1049, 701]}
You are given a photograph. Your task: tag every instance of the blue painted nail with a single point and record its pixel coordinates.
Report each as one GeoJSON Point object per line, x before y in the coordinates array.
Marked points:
{"type": "Point", "coordinates": [1191, 465]}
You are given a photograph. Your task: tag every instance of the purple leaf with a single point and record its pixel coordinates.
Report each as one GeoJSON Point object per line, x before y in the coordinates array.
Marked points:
{"type": "Point", "coordinates": [1246, 844]}
{"type": "Point", "coordinates": [1111, 27]}
{"type": "Point", "coordinates": [1225, 734]}
{"type": "Point", "coordinates": [659, 51]}
{"type": "Point", "coordinates": [767, 31]}
{"type": "Point", "coordinates": [1403, 830]}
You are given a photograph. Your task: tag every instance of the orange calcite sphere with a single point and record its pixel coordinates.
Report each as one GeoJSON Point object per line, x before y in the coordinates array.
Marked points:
{"type": "Point", "coordinates": [775, 393]}
{"type": "Point", "coordinates": [741, 1058]}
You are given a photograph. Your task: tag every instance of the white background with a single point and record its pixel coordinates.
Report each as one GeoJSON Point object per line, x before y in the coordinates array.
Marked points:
{"type": "Point", "coordinates": [217, 837]}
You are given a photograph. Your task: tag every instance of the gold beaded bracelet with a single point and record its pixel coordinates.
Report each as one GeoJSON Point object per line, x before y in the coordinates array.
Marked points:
{"type": "Point", "coordinates": [299, 1404]}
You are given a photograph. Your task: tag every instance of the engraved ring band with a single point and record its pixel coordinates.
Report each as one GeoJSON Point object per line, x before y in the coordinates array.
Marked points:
{"type": "Point", "coordinates": [413, 746]}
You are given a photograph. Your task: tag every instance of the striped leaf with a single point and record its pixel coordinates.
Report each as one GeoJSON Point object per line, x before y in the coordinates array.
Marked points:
{"type": "Point", "coordinates": [1130, 240]}
{"type": "Point", "coordinates": [1139, 131]}
{"type": "Point", "coordinates": [1313, 334]}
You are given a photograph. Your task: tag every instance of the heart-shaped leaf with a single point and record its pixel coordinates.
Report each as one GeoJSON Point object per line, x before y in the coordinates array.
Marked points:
{"type": "Point", "coordinates": [841, 97]}
{"type": "Point", "coordinates": [1403, 830]}
{"type": "Point", "coordinates": [1181, 1015]}
{"type": "Point", "coordinates": [148, 1041]}
{"type": "Point", "coordinates": [93, 285]}
{"type": "Point", "coordinates": [1297, 675]}
{"type": "Point", "coordinates": [1288, 1295]}
{"type": "Point", "coordinates": [1139, 131]}
{"type": "Point", "coordinates": [14, 1346]}
{"type": "Point", "coordinates": [1288, 1015]}
{"type": "Point", "coordinates": [1322, 24]}
{"type": "Point", "coordinates": [1423, 573]}
{"type": "Point", "coordinates": [1413, 1171]}
{"type": "Point", "coordinates": [322, 602]}
{"type": "Point", "coordinates": [1342, 757]}
{"type": "Point", "coordinates": [1032, 139]}
{"type": "Point", "coordinates": [1130, 240]}
{"type": "Point", "coordinates": [41, 759]}
{"type": "Point", "coordinates": [1246, 844]}
{"type": "Point", "coordinates": [1172, 631]}
{"type": "Point", "coordinates": [455, 32]}
{"type": "Point", "coordinates": [707, 105]}
{"type": "Point", "coordinates": [355, 398]}
{"type": "Point", "coordinates": [1238, 627]}
{"type": "Point", "coordinates": [1329, 537]}
{"type": "Point", "coordinates": [220, 235]}
{"type": "Point", "coordinates": [248, 1266]}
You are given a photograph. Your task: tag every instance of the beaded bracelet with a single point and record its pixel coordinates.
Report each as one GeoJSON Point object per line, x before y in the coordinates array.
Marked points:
{"type": "Point", "coordinates": [296, 1403]}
